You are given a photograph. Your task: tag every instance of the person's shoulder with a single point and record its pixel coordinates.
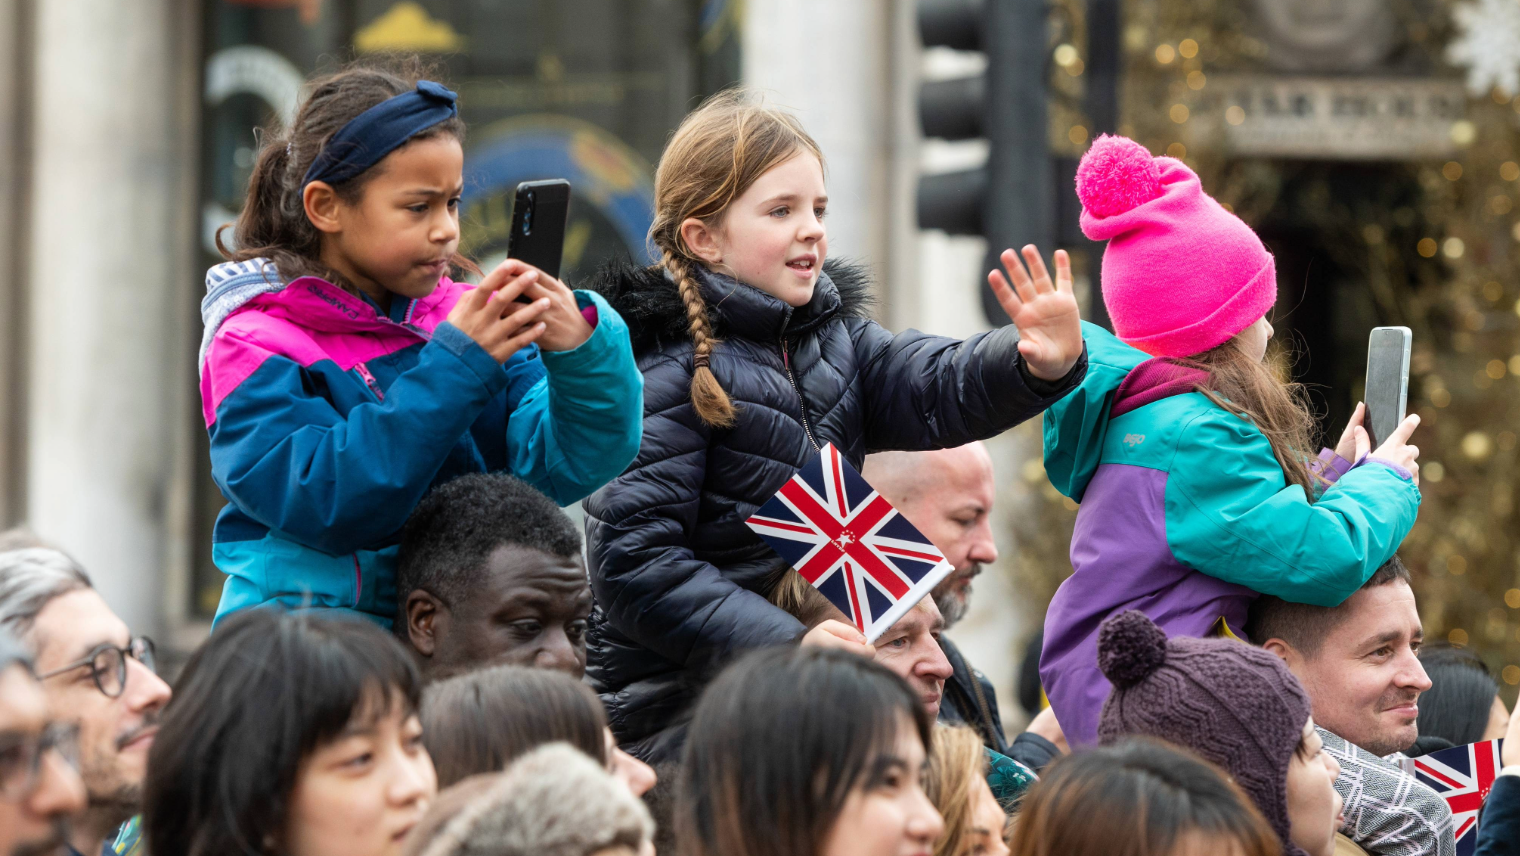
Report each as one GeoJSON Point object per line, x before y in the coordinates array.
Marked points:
{"type": "Point", "coordinates": [260, 326]}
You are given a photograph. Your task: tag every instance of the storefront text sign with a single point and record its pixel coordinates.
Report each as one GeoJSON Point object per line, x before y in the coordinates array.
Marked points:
{"type": "Point", "coordinates": [1348, 118]}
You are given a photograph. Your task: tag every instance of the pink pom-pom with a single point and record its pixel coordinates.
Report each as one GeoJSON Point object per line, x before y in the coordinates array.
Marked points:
{"type": "Point", "coordinates": [1115, 175]}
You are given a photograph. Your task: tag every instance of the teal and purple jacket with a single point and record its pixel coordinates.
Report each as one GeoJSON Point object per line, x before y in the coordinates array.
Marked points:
{"type": "Point", "coordinates": [1185, 516]}
{"type": "Point", "coordinates": [329, 420]}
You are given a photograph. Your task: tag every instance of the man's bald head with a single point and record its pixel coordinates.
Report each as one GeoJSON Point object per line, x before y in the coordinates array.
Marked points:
{"type": "Point", "coordinates": [948, 495]}
{"type": "Point", "coordinates": [905, 477]}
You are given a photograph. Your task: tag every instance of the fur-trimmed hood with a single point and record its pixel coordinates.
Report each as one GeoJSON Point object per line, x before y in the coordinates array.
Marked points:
{"type": "Point", "coordinates": [649, 302]}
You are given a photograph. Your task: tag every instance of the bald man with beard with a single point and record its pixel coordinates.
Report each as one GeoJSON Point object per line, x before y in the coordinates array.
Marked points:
{"type": "Point", "coordinates": [948, 495]}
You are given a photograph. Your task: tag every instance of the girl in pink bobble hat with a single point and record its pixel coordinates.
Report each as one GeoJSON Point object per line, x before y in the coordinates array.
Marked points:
{"type": "Point", "coordinates": [1190, 456]}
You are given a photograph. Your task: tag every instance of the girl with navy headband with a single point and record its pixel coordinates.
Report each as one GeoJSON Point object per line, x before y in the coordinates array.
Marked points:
{"type": "Point", "coordinates": [344, 372]}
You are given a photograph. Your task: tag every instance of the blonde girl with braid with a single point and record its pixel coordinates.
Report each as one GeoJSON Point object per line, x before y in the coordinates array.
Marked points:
{"type": "Point", "coordinates": [757, 350]}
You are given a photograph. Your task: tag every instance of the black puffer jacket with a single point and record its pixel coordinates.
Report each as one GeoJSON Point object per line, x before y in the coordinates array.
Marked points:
{"type": "Point", "coordinates": [680, 581]}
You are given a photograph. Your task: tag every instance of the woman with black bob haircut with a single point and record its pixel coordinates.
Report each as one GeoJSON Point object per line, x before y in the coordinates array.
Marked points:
{"type": "Point", "coordinates": [289, 735]}
{"type": "Point", "coordinates": [806, 752]}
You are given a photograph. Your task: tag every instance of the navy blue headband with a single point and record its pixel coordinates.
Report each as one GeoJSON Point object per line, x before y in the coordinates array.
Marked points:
{"type": "Point", "coordinates": [380, 130]}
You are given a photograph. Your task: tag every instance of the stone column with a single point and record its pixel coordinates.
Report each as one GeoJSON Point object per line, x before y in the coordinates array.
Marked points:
{"type": "Point", "coordinates": [828, 62]}
{"type": "Point", "coordinates": [14, 67]}
{"type": "Point", "coordinates": [109, 352]}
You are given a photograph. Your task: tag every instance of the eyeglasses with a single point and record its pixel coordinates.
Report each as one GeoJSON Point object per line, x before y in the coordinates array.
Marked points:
{"type": "Point", "coordinates": [108, 665]}
{"type": "Point", "coordinates": [21, 757]}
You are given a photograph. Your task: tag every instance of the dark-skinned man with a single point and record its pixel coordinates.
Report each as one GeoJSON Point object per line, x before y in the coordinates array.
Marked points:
{"type": "Point", "coordinates": [490, 572]}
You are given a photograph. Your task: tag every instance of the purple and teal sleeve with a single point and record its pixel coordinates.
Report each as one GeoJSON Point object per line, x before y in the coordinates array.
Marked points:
{"type": "Point", "coordinates": [1231, 515]}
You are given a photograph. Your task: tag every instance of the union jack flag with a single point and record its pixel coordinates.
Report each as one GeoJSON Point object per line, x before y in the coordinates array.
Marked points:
{"type": "Point", "coordinates": [850, 543]}
{"type": "Point", "coordinates": [1463, 776]}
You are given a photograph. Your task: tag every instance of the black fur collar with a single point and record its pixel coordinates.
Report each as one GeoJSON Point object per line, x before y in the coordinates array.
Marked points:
{"type": "Point", "coordinates": [654, 312]}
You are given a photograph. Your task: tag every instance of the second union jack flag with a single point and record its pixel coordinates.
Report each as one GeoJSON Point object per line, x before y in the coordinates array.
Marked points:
{"type": "Point", "coordinates": [1463, 776]}
{"type": "Point", "coordinates": [850, 543]}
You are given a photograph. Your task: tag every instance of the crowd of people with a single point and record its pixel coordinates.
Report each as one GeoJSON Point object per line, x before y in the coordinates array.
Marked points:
{"type": "Point", "coordinates": [416, 652]}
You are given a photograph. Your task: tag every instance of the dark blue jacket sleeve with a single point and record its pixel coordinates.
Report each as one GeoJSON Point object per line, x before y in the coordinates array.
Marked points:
{"type": "Point", "coordinates": [1499, 829]}
{"type": "Point", "coordinates": [340, 482]}
{"type": "Point", "coordinates": [933, 392]}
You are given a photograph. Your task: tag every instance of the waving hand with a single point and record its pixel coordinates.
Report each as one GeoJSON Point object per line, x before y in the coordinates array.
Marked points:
{"type": "Point", "coordinates": [1045, 312]}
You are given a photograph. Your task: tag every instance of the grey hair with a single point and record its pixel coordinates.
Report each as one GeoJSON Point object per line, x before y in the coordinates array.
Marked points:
{"type": "Point", "coordinates": [554, 801]}
{"type": "Point", "coordinates": [29, 580]}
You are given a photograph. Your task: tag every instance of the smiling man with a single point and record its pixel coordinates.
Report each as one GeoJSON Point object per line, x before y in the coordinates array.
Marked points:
{"type": "Point", "coordinates": [1358, 662]}
{"type": "Point", "coordinates": [95, 673]}
{"type": "Point", "coordinates": [490, 572]}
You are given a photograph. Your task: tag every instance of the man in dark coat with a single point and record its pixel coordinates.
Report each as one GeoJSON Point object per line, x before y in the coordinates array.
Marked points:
{"type": "Point", "coordinates": [948, 495]}
{"type": "Point", "coordinates": [680, 582]}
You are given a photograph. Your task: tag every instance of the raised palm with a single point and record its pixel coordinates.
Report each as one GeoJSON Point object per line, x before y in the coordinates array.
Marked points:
{"type": "Point", "coordinates": [1050, 329]}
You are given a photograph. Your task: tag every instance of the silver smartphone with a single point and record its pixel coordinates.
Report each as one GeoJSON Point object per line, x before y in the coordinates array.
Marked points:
{"type": "Point", "coordinates": [1387, 394]}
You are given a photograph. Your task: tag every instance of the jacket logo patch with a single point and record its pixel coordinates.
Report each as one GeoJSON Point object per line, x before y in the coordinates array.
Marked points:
{"type": "Point", "coordinates": [1133, 440]}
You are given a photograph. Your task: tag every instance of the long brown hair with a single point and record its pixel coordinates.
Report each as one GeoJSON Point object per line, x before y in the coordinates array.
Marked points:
{"type": "Point", "coordinates": [479, 722]}
{"type": "Point", "coordinates": [1140, 797]}
{"type": "Point", "coordinates": [719, 150]}
{"type": "Point", "coordinates": [273, 222]}
{"type": "Point", "coordinates": [956, 763]}
{"type": "Point", "coordinates": [1261, 392]}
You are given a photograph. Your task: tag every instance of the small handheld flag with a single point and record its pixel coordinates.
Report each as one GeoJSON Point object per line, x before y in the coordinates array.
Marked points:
{"type": "Point", "coordinates": [1463, 776]}
{"type": "Point", "coordinates": [850, 543]}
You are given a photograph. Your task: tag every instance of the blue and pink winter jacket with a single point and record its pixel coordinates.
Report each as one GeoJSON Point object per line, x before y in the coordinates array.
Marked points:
{"type": "Point", "coordinates": [1185, 516]}
{"type": "Point", "coordinates": [329, 421]}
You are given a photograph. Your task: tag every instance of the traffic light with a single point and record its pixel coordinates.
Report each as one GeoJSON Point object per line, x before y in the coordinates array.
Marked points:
{"type": "Point", "coordinates": [1010, 201]}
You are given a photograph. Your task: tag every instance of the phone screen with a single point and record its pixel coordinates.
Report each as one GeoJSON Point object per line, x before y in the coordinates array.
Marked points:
{"type": "Point", "coordinates": [1387, 381]}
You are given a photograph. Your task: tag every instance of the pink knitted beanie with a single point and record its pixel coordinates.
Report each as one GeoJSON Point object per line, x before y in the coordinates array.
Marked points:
{"type": "Point", "coordinates": [1181, 275]}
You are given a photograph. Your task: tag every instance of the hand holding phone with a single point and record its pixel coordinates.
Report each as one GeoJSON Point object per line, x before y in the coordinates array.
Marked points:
{"type": "Point", "coordinates": [564, 327]}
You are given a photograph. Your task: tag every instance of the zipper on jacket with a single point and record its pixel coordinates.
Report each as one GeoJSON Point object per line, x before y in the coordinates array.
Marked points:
{"type": "Point", "coordinates": [786, 362]}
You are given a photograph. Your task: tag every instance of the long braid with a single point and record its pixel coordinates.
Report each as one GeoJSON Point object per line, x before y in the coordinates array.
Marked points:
{"type": "Point", "coordinates": [707, 396]}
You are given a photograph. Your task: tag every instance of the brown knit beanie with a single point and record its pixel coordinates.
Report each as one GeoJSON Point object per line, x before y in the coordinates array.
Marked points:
{"type": "Point", "coordinates": [1236, 705]}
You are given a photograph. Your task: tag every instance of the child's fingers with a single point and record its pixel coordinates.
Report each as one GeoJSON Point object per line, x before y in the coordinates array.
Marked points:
{"type": "Point", "coordinates": [524, 313]}
{"type": "Point", "coordinates": [1401, 434]}
{"type": "Point", "coordinates": [500, 275]}
{"type": "Point", "coordinates": [1063, 271]}
{"type": "Point", "coordinates": [1018, 276]}
{"type": "Point", "coordinates": [1363, 442]}
{"type": "Point", "coordinates": [1037, 269]}
{"type": "Point", "coordinates": [522, 339]}
{"type": "Point", "coordinates": [1004, 292]}
{"type": "Point", "coordinates": [513, 288]}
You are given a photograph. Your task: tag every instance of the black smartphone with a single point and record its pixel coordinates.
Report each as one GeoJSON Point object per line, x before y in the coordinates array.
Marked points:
{"type": "Point", "coordinates": [539, 212]}
{"type": "Point", "coordinates": [1387, 394]}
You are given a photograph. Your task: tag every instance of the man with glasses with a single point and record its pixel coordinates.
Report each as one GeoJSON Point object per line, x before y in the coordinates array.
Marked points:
{"type": "Point", "coordinates": [93, 673]}
{"type": "Point", "coordinates": [39, 788]}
